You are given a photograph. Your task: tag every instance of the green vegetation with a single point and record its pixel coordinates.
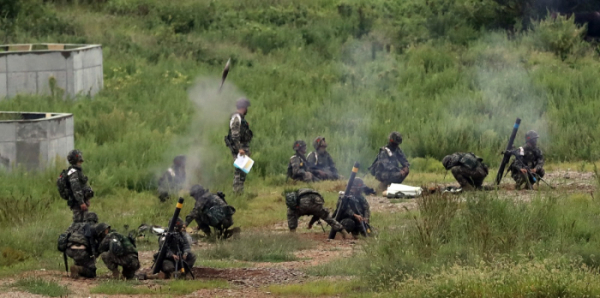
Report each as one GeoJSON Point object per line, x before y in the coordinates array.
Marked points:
{"type": "Point", "coordinates": [40, 286]}
{"type": "Point", "coordinates": [259, 247]}
{"type": "Point", "coordinates": [174, 287]}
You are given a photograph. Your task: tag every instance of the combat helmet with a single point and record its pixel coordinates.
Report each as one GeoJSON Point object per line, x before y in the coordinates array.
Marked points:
{"type": "Point", "coordinates": [448, 161]}
{"type": "Point", "coordinates": [74, 156]}
{"type": "Point", "coordinates": [299, 144]}
{"type": "Point", "coordinates": [179, 160]}
{"type": "Point", "coordinates": [178, 223]}
{"type": "Point", "coordinates": [395, 137]}
{"type": "Point", "coordinates": [319, 142]}
{"type": "Point", "coordinates": [242, 103]}
{"type": "Point", "coordinates": [531, 135]}
{"type": "Point", "coordinates": [99, 228]}
{"type": "Point", "coordinates": [358, 183]}
{"type": "Point", "coordinates": [91, 217]}
{"type": "Point", "coordinates": [197, 190]}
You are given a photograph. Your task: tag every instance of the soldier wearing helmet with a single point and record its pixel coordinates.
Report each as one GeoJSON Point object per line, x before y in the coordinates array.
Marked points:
{"type": "Point", "coordinates": [391, 165]}
{"type": "Point", "coordinates": [357, 209]}
{"type": "Point", "coordinates": [211, 210]}
{"type": "Point", "coordinates": [171, 182]}
{"type": "Point", "coordinates": [298, 166]}
{"type": "Point", "coordinates": [320, 162]}
{"type": "Point", "coordinates": [238, 140]}
{"type": "Point", "coordinates": [306, 201]}
{"type": "Point", "coordinates": [81, 192]}
{"type": "Point", "coordinates": [178, 249]}
{"type": "Point", "coordinates": [467, 168]}
{"type": "Point", "coordinates": [82, 247]}
{"type": "Point", "coordinates": [528, 163]}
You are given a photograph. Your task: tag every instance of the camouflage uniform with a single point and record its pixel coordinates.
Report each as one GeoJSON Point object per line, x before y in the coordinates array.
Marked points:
{"type": "Point", "coordinates": [127, 258]}
{"type": "Point", "coordinates": [532, 158]}
{"type": "Point", "coordinates": [82, 247]}
{"type": "Point", "coordinates": [239, 137]}
{"type": "Point", "coordinates": [205, 210]}
{"type": "Point", "coordinates": [298, 166]}
{"type": "Point", "coordinates": [320, 162]}
{"type": "Point", "coordinates": [357, 205]}
{"type": "Point", "coordinates": [173, 179]}
{"type": "Point", "coordinates": [391, 165]}
{"type": "Point", "coordinates": [179, 243]}
{"type": "Point", "coordinates": [467, 168]}
{"type": "Point", "coordinates": [310, 203]}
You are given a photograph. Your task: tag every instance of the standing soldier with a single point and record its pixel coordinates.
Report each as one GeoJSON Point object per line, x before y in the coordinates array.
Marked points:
{"type": "Point", "coordinates": [391, 165]}
{"type": "Point", "coordinates": [467, 168]}
{"type": "Point", "coordinates": [528, 163]}
{"type": "Point", "coordinates": [117, 250]}
{"type": "Point", "coordinates": [82, 247]}
{"type": "Point", "coordinates": [178, 250]}
{"type": "Point", "coordinates": [80, 192]}
{"type": "Point", "coordinates": [210, 210]}
{"type": "Point", "coordinates": [357, 209]}
{"type": "Point", "coordinates": [238, 140]}
{"type": "Point", "coordinates": [173, 179]}
{"type": "Point", "coordinates": [320, 162]}
{"type": "Point", "coordinates": [306, 201]}
{"type": "Point", "coordinates": [298, 166]}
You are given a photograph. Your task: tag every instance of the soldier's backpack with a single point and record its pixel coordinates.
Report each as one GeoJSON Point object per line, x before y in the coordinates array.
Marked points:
{"type": "Point", "coordinates": [292, 199]}
{"type": "Point", "coordinates": [118, 244]}
{"type": "Point", "coordinates": [62, 183]}
{"type": "Point", "coordinates": [470, 160]}
{"type": "Point", "coordinates": [216, 214]}
{"type": "Point", "coordinates": [63, 240]}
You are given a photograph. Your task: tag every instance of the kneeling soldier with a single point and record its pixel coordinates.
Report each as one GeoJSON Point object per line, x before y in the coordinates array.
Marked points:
{"type": "Point", "coordinates": [82, 247]}
{"type": "Point", "coordinates": [528, 163]}
{"type": "Point", "coordinates": [357, 209]}
{"type": "Point", "coordinates": [117, 250]}
{"type": "Point", "coordinates": [467, 168]}
{"type": "Point", "coordinates": [306, 201]}
{"type": "Point", "coordinates": [320, 161]}
{"type": "Point", "coordinates": [298, 165]}
{"type": "Point", "coordinates": [178, 250]}
{"type": "Point", "coordinates": [210, 210]}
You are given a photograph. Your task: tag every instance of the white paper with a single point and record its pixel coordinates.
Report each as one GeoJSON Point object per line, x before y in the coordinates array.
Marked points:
{"type": "Point", "coordinates": [244, 163]}
{"type": "Point", "coordinates": [407, 190]}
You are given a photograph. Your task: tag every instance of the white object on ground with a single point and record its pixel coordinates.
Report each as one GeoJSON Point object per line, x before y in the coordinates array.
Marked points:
{"type": "Point", "coordinates": [244, 163]}
{"type": "Point", "coordinates": [406, 190]}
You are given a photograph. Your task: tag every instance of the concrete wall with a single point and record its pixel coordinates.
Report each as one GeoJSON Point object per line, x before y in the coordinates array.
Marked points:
{"type": "Point", "coordinates": [76, 70]}
{"type": "Point", "coordinates": [35, 144]}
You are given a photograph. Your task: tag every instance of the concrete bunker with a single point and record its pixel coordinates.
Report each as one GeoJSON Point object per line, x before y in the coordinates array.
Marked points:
{"type": "Point", "coordinates": [34, 140]}
{"type": "Point", "coordinates": [29, 69]}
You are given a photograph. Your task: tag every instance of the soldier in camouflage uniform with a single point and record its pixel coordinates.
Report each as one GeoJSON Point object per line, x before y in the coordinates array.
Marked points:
{"type": "Point", "coordinates": [357, 209]}
{"type": "Point", "coordinates": [238, 140]}
{"type": "Point", "coordinates": [81, 192]}
{"type": "Point", "coordinates": [298, 166]}
{"type": "Point", "coordinates": [528, 157]}
{"type": "Point", "coordinates": [320, 162]}
{"type": "Point", "coordinates": [306, 201]}
{"type": "Point", "coordinates": [82, 247]}
{"type": "Point", "coordinates": [117, 250]}
{"type": "Point", "coordinates": [210, 210]}
{"type": "Point", "coordinates": [391, 165]}
{"type": "Point", "coordinates": [467, 168]}
{"type": "Point", "coordinates": [173, 179]}
{"type": "Point", "coordinates": [178, 244]}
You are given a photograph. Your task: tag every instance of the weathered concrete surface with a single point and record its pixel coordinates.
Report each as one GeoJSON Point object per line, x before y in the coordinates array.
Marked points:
{"type": "Point", "coordinates": [35, 143]}
{"type": "Point", "coordinates": [77, 70]}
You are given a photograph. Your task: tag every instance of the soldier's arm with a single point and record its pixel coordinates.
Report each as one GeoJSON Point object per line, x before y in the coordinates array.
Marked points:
{"type": "Point", "coordinates": [367, 208]}
{"type": "Point", "coordinates": [190, 217]}
{"type": "Point", "coordinates": [76, 187]}
{"type": "Point", "coordinates": [331, 165]}
{"type": "Point", "coordinates": [403, 160]}
{"type": "Point", "coordinates": [236, 125]}
{"type": "Point", "coordinates": [540, 160]}
{"type": "Point", "coordinates": [185, 245]}
{"type": "Point", "coordinates": [297, 170]}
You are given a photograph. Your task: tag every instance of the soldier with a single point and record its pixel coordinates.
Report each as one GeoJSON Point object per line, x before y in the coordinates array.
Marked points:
{"type": "Point", "coordinates": [80, 192]}
{"type": "Point", "coordinates": [528, 163]}
{"type": "Point", "coordinates": [320, 162]}
{"type": "Point", "coordinates": [298, 166]}
{"type": "Point", "coordinates": [467, 168]}
{"type": "Point", "coordinates": [357, 209]}
{"type": "Point", "coordinates": [179, 249]}
{"type": "Point", "coordinates": [306, 201]}
{"type": "Point", "coordinates": [391, 165]}
{"type": "Point", "coordinates": [210, 210]}
{"type": "Point", "coordinates": [82, 247]}
{"type": "Point", "coordinates": [238, 140]}
{"type": "Point", "coordinates": [117, 250]}
{"type": "Point", "coordinates": [173, 179]}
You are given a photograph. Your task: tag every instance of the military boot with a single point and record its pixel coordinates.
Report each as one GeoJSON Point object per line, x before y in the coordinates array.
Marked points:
{"type": "Point", "coordinates": [115, 273]}
{"type": "Point", "coordinates": [75, 270]}
{"type": "Point", "coordinates": [293, 230]}
{"type": "Point", "coordinates": [345, 234]}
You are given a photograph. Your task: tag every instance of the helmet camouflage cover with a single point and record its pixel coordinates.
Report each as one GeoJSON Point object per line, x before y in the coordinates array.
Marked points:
{"type": "Point", "coordinates": [197, 190]}
{"type": "Point", "coordinates": [74, 156]}
{"type": "Point", "coordinates": [395, 137]}
{"type": "Point", "coordinates": [319, 142]}
{"type": "Point", "coordinates": [299, 145]}
{"type": "Point", "coordinates": [242, 103]}
{"type": "Point", "coordinates": [531, 135]}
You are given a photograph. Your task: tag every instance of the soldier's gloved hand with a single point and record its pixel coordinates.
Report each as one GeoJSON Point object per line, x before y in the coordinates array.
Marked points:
{"type": "Point", "coordinates": [83, 207]}
{"type": "Point", "coordinates": [524, 171]}
{"type": "Point", "coordinates": [533, 170]}
{"type": "Point", "coordinates": [175, 257]}
{"type": "Point", "coordinates": [358, 217]}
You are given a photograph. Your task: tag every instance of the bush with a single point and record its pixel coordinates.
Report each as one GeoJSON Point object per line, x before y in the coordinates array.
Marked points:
{"type": "Point", "coordinates": [558, 35]}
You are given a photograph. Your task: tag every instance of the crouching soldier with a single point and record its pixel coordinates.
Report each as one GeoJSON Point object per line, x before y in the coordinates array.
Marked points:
{"type": "Point", "coordinates": [82, 247]}
{"type": "Point", "coordinates": [467, 168]}
{"type": "Point", "coordinates": [391, 165]}
{"type": "Point", "coordinates": [298, 166]}
{"type": "Point", "coordinates": [210, 210]}
{"type": "Point", "coordinates": [356, 211]}
{"type": "Point", "coordinates": [529, 162]}
{"type": "Point", "coordinates": [320, 162]}
{"type": "Point", "coordinates": [117, 250]}
{"type": "Point", "coordinates": [173, 179]}
{"type": "Point", "coordinates": [178, 251]}
{"type": "Point", "coordinates": [306, 201]}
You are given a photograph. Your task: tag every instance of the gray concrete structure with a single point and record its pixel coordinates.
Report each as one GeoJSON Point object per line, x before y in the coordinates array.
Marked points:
{"type": "Point", "coordinates": [27, 69]}
{"type": "Point", "coordinates": [34, 140]}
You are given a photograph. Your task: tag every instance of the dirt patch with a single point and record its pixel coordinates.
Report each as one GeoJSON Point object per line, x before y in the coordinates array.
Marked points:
{"type": "Point", "coordinates": [251, 277]}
